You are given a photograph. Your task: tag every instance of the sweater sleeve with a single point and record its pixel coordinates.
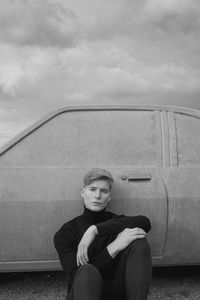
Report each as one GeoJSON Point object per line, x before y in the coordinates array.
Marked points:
{"type": "Point", "coordinates": [119, 223]}
{"type": "Point", "coordinates": [66, 249]}
{"type": "Point", "coordinates": [64, 244]}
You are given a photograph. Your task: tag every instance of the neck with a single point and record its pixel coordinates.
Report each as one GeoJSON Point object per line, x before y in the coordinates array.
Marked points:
{"type": "Point", "coordinates": [94, 216]}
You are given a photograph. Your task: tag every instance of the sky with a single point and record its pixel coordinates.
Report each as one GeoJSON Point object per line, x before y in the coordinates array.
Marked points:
{"type": "Point", "coordinates": [58, 53]}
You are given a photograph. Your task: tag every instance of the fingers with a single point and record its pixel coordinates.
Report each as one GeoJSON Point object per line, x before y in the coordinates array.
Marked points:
{"type": "Point", "coordinates": [82, 255]}
{"type": "Point", "coordinates": [136, 231]}
{"type": "Point", "coordinates": [131, 234]}
{"type": "Point", "coordinates": [87, 239]}
{"type": "Point", "coordinates": [81, 261]}
{"type": "Point", "coordinates": [138, 236]}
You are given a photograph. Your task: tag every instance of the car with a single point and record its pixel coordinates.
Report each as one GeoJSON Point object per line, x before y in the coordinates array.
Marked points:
{"type": "Point", "coordinates": [153, 153]}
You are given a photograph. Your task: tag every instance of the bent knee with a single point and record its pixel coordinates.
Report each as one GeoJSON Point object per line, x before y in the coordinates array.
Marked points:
{"type": "Point", "coordinates": [141, 246]}
{"type": "Point", "coordinates": [88, 270]}
{"type": "Point", "coordinates": [87, 276]}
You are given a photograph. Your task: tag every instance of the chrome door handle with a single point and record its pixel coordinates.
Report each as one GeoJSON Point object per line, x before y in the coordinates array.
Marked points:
{"type": "Point", "coordinates": [137, 177]}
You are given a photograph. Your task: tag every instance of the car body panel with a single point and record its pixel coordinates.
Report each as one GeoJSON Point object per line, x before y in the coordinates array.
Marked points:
{"type": "Point", "coordinates": [182, 241]}
{"type": "Point", "coordinates": [143, 147]}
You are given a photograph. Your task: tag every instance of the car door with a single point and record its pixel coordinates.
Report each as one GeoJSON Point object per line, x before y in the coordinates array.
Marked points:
{"type": "Point", "coordinates": [42, 169]}
{"type": "Point", "coordinates": [182, 180]}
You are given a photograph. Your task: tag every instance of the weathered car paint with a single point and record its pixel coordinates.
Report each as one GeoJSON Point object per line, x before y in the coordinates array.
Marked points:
{"type": "Point", "coordinates": [147, 149]}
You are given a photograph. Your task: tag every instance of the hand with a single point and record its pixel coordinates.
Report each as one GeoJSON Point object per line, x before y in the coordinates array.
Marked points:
{"type": "Point", "coordinates": [124, 238]}
{"type": "Point", "coordinates": [87, 239]}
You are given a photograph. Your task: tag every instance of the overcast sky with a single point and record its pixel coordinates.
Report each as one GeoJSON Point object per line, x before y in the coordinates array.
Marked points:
{"type": "Point", "coordinates": [55, 53]}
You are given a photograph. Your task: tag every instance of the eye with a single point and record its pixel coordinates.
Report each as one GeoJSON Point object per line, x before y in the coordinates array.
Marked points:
{"type": "Point", "coordinates": [105, 191]}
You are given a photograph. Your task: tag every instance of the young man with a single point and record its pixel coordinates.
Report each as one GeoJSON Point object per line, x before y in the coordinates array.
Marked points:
{"type": "Point", "coordinates": [105, 256]}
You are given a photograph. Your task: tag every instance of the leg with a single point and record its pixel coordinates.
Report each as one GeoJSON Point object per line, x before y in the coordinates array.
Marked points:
{"type": "Point", "coordinates": [133, 272]}
{"type": "Point", "coordinates": [138, 270]}
{"type": "Point", "coordinates": [87, 284]}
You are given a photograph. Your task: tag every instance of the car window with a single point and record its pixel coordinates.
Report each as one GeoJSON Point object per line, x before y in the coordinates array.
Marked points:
{"type": "Point", "coordinates": [188, 139]}
{"type": "Point", "coordinates": [92, 138]}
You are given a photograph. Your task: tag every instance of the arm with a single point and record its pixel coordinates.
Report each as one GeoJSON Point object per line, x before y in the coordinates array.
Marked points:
{"type": "Point", "coordinates": [66, 249]}
{"type": "Point", "coordinates": [123, 239]}
{"type": "Point", "coordinates": [141, 224]}
{"type": "Point", "coordinates": [85, 242]}
{"type": "Point", "coordinates": [100, 260]}
{"type": "Point", "coordinates": [119, 223]}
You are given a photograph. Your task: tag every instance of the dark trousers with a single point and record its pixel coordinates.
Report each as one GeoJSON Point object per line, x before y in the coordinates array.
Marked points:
{"type": "Point", "coordinates": [131, 279]}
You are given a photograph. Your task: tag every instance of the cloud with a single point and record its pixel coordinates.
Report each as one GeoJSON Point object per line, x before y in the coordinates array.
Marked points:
{"type": "Point", "coordinates": [22, 68]}
{"type": "Point", "coordinates": [55, 53]}
{"type": "Point", "coordinates": [145, 80]}
{"type": "Point", "coordinates": [103, 70]}
{"type": "Point", "coordinates": [51, 77]}
{"type": "Point", "coordinates": [37, 23]}
{"type": "Point", "coordinates": [174, 16]}
{"type": "Point", "coordinates": [105, 20]}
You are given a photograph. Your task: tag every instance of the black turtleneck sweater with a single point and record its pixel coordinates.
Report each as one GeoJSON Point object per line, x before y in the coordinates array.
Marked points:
{"type": "Point", "coordinates": [108, 224]}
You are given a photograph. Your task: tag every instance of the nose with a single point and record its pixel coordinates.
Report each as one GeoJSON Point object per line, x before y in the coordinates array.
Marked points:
{"type": "Point", "coordinates": [98, 194]}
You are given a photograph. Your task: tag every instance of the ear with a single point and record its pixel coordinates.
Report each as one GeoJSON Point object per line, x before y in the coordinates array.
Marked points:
{"type": "Point", "coordinates": [83, 192]}
{"type": "Point", "coordinates": [110, 197]}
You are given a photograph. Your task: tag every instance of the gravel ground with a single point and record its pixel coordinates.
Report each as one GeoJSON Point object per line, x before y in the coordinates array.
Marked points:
{"type": "Point", "coordinates": [167, 283]}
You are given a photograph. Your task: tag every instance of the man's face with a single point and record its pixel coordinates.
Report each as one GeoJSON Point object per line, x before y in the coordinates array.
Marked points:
{"type": "Point", "coordinates": [96, 195]}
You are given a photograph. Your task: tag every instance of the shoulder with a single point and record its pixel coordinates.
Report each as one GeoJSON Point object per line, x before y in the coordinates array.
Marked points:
{"type": "Point", "coordinates": [111, 215]}
{"type": "Point", "coordinates": [67, 228]}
